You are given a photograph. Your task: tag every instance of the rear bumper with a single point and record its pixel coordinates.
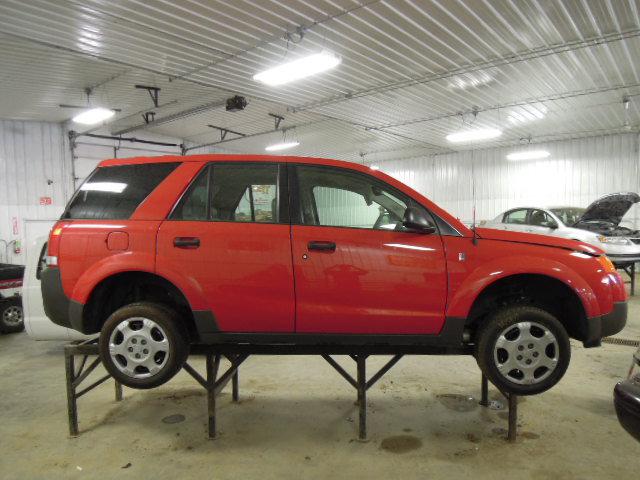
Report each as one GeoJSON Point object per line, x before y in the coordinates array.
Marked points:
{"type": "Point", "coordinates": [626, 398]}
{"type": "Point", "coordinates": [59, 308]}
{"type": "Point", "coordinates": [606, 325]}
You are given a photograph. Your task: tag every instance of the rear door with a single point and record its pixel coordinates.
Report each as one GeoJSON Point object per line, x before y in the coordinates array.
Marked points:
{"type": "Point", "coordinates": [356, 270]}
{"type": "Point", "coordinates": [228, 240]}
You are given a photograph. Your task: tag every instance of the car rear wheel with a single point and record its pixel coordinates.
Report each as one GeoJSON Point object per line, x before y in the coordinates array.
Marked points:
{"type": "Point", "coordinates": [143, 345]}
{"type": "Point", "coordinates": [11, 316]}
{"type": "Point", "coordinates": [523, 350]}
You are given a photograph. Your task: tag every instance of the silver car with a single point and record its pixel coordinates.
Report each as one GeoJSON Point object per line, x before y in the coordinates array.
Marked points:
{"type": "Point", "coordinates": [598, 224]}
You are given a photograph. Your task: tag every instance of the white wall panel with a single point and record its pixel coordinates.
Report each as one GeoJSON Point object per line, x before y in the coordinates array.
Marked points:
{"type": "Point", "coordinates": [90, 151]}
{"type": "Point", "coordinates": [576, 173]}
{"type": "Point", "coordinates": [33, 164]}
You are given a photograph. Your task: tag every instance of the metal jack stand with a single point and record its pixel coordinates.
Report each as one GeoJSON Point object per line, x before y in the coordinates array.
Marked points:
{"type": "Point", "coordinates": [214, 384]}
{"type": "Point", "coordinates": [361, 384]}
{"type": "Point", "coordinates": [75, 377]}
{"type": "Point", "coordinates": [513, 408]}
{"type": "Point", "coordinates": [630, 269]}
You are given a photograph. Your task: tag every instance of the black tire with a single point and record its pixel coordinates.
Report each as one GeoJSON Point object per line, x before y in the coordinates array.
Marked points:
{"type": "Point", "coordinates": [516, 380]}
{"type": "Point", "coordinates": [11, 315]}
{"type": "Point", "coordinates": [146, 340]}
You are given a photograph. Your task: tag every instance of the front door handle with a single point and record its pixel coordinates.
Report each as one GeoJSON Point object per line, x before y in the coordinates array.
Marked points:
{"type": "Point", "coordinates": [186, 242]}
{"type": "Point", "coordinates": [322, 246]}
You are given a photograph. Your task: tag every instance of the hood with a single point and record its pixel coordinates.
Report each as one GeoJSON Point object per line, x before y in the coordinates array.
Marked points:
{"type": "Point", "coordinates": [610, 208]}
{"type": "Point", "coordinates": [535, 239]}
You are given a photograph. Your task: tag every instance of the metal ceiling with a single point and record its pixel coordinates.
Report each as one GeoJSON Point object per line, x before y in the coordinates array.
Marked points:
{"type": "Point", "coordinates": [412, 71]}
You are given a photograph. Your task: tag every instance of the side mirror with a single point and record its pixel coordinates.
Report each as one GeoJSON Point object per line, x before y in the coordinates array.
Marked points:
{"type": "Point", "coordinates": [551, 225]}
{"type": "Point", "coordinates": [416, 220]}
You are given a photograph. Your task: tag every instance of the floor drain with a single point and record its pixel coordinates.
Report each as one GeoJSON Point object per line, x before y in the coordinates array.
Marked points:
{"type": "Point", "coordinates": [177, 418]}
{"type": "Point", "coordinates": [627, 342]}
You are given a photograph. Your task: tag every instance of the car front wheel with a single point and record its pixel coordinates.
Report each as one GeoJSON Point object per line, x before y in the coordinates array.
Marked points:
{"type": "Point", "coordinates": [143, 345]}
{"type": "Point", "coordinates": [523, 350]}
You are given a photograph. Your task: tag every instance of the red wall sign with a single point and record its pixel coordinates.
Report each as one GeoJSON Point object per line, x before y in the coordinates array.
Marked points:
{"type": "Point", "coordinates": [45, 201]}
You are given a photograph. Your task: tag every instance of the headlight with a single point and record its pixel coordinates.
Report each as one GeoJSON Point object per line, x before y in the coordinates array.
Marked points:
{"type": "Point", "coordinates": [614, 240]}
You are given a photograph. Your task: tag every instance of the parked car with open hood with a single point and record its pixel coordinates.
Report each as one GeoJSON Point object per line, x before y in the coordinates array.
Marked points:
{"type": "Point", "coordinates": [599, 224]}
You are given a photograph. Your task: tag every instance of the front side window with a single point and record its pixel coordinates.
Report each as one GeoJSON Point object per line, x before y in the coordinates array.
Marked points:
{"type": "Point", "coordinates": [340, 198]}
{"type": "Point", "coordinates": [232, 193]}
{"type": "Point", "coordinates": [114, 193]}
{"type": "Point", "coordinates": [540, 218]}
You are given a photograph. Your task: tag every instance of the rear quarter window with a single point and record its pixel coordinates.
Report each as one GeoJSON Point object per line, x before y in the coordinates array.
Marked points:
{"type": "Point", "coordinates": [114, 193]}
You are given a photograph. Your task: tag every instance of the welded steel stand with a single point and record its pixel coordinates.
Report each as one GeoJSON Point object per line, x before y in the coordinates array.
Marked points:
{"type": "Point", "coordinates": [512, 400]}
{"type": "Point", "coordinates": [361, 384]}
{"type": "Point", "coordinates": [75, 377]}
{"type": "Point", "coordinates": [214, 384]}
{"type": "Point", "coordinates": [630, 269]}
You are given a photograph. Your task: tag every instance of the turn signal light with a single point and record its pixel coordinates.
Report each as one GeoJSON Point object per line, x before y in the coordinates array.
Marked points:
{"type": "Point", "coordinates": [607, 264]}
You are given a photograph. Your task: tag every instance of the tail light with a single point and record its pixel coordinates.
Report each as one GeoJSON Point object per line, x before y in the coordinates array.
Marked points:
{"type": "Point", "coordinates": [54, 244]}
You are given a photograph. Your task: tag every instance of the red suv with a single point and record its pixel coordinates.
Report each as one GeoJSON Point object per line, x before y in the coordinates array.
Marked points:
{"type": "Point", "coordinates": [159, 253]}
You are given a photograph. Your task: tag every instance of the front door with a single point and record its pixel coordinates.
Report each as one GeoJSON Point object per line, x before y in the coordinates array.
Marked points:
{"type": "Point", "coordinates": [228, 243]}
{"type": "Point", "coordinates": [357, 270]}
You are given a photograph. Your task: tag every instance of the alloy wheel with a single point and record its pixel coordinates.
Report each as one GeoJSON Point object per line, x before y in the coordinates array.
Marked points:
{"type": "Point", "coordinates": [139, 347]}
{"type": "Point", "coordinates": [526, 353]}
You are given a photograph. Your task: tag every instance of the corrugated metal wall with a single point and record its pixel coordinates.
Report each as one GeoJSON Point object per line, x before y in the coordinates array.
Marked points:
{"type": "Point", "coordinates": [576, 173]}
{"type": "Point", "coordinates": [33, 165]}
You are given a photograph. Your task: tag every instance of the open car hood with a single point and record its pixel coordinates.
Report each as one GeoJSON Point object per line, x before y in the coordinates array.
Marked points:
{"type": "Point", "coordinates": [610, 208]}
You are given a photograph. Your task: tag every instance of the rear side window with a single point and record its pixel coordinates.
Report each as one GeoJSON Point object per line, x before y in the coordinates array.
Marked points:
{"type": "Point", "coordinates": [113, 193]}
{"type": "Point", "coordinates": [246, 193]}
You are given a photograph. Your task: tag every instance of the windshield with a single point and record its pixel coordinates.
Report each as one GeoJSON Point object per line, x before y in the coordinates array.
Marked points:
{"type": "Point", "coordinates": [568, 216]}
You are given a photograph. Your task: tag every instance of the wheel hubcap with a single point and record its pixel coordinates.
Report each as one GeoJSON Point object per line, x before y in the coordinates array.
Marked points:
{"type": "Point", "coordinates": [12, 316]}
{"type": "Point", "coordinates": [139, 347]}
{"type": "Point", "coordinates": [526, 353]}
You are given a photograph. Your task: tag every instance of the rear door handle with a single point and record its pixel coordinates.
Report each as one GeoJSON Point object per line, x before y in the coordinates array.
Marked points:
{"type": "Point", "coordinates": [186, 242]}
{"type": "Point", "coordinates": [322, 246]}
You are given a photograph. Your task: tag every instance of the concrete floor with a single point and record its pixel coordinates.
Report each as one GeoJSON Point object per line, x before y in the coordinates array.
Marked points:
{"type": "Point", "coordinates": [297, 418]}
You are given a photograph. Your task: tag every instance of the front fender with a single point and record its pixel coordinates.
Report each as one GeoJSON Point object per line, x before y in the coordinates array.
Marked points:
{"type": "Point", "coordinates": [488, 273]}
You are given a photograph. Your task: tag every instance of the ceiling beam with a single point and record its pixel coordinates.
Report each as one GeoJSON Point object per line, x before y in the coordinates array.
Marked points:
{"type": "Point", "coordinates": [173, 117]}
{"type": "Point", "coordinates": [496, 62]}
{"type": "Point", "coordinates": [519, 103]}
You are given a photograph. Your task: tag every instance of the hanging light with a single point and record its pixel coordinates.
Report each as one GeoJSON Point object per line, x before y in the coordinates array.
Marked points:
{"type": "Point", "coordinates": [298, 69]}
{"type": "Point", "coordinates": [281, 146]}
{"type": "Point", "coordinates": [474, 135]}
{"type": "Point", "coordinates": [528, 155]}
{"type": "Point", "coordinates": [93, 116]}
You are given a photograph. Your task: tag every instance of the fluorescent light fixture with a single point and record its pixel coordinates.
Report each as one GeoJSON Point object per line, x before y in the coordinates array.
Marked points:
{"type": "Point", "coordinates": [528, 155]}
{"type": "Point", "coordinates": [473, 135]}
{"type": "Point", "coordinates": [93, 116]}
{"type": "Point", "coordinates": [281, 146]}
{"type": "Point", "coordinates": [374, 167]}
{"type": "Point", "coordinates": [113, 187]}
{"type": "Point", "coordinates": [297, 69]}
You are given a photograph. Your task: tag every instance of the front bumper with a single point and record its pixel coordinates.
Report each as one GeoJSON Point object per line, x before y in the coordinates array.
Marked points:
{"type": "Point", "coordinates": [623, 259]}
{"type": "Point", "coordinates": [58, 307]}
{"type": "Point", "coordinates": [626, 398]}
{"type": "Point", "coordinates": [606, 325]}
